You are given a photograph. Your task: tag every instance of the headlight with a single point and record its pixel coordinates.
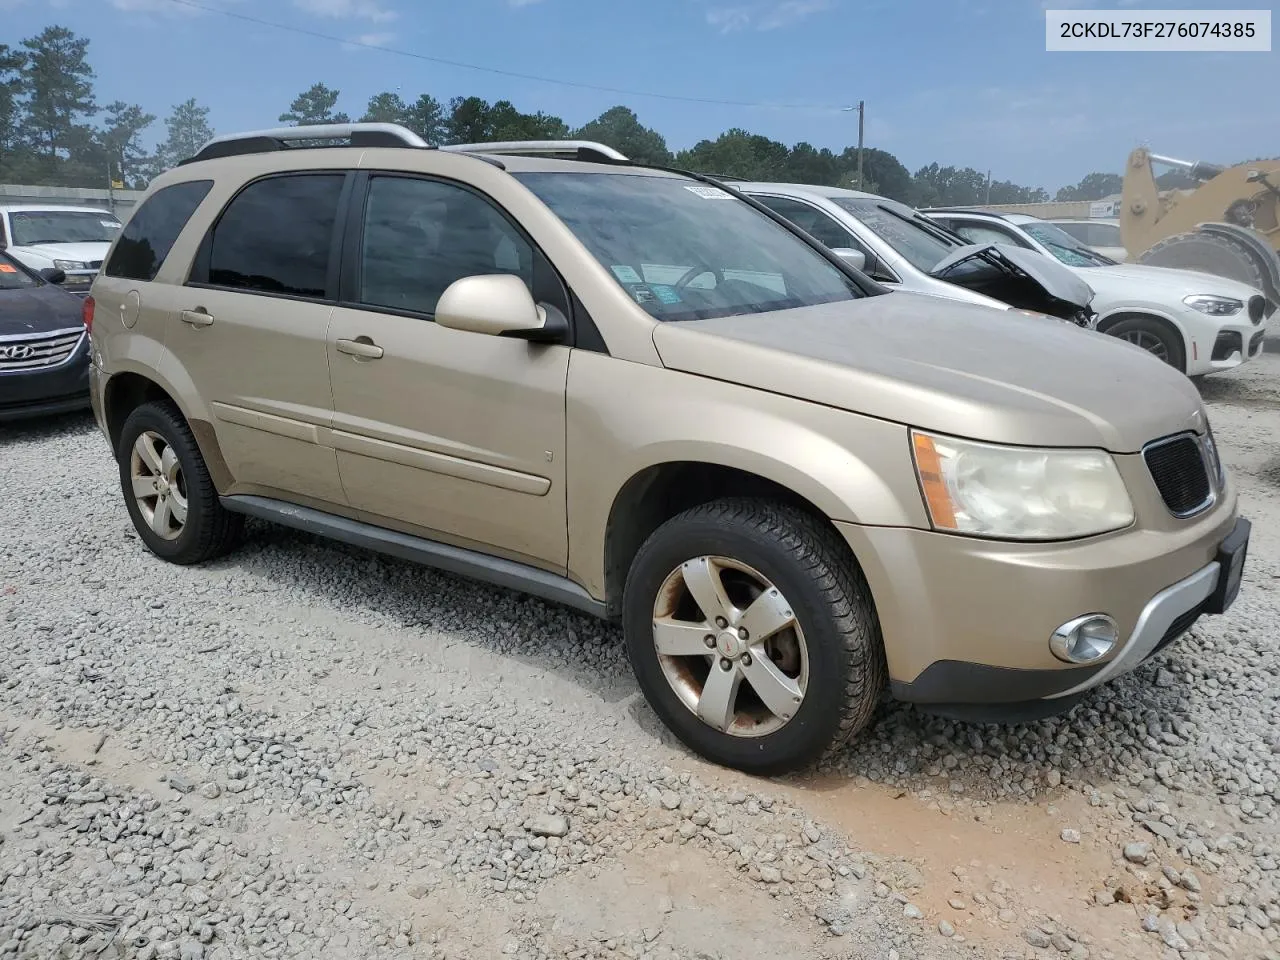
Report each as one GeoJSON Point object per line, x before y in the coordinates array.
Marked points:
{"type": "Point", "coordinates": [1214, 306]}
{"type": "Point", "coordinates": [1019, 493]}
{"type": "Point", "coordinates": [70, 265]}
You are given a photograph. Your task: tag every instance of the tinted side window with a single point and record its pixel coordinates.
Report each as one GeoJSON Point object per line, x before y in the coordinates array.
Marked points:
{"type": "Point", "coordinates": [986, 233]}
{"type": "Point", "coordinates": [152, 230]}
{"type": "Point", "coordinates": [421, 235]}
{"type": "Point", "coordinates": [813, 222]}
{"type": "Point", "coordinates": [1104, 235]}
{"type": "Point", "coordinates": [1077, 230]}
{"type": "Point", "coordinates": [276, 236]}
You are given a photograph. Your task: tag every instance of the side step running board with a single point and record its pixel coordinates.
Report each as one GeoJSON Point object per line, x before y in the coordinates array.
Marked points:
{"type": "Point", "coordinates": [467, 563]}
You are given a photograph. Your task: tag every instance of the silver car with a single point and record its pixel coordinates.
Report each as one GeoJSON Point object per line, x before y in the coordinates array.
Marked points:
{"type": "Point", "coordinates": [902, 248]}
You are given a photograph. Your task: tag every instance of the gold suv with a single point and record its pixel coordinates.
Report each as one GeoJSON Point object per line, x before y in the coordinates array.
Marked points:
{"type": "Point", "coordinates": [640, 393]}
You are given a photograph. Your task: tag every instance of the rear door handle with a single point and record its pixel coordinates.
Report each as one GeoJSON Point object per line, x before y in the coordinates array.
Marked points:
{"type": "Point", "coordinates": [361, 347]}
{"type": "Point", "coordinates": [197, 317]}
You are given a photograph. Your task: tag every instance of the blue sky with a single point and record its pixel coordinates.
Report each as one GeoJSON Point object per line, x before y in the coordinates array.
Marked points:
{"type": "Point", "coordinates": [966, 82]}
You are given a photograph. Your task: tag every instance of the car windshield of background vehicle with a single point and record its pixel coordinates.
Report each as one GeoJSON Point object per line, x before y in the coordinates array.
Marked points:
{"type": "Point", "coordinates": [689, 251]}
{"type": "Point", "coordinates": [1065, 247]}
{"type": "Point", "coordinates": [34, 227]}
{"type": "Point", "coordinates": [922, 247]}
{"type": "Point", "coordinates": [12, 276]}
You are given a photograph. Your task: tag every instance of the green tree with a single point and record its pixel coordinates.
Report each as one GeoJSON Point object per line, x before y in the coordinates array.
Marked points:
{"type": "Point", "coordinates": [620, 128]}
{"type": "Point", "coordinates": [122, 140]}
{"type": "Point", "coordinates": [468, 120]}
{"type": "Point", "coordinates": [505, 122]}
{"type": "Point", "coordinates": [1095, 186]}
{"type": "Point", "coordinates": [738, 153]}
{"type": "Point", "coordinates": [12, 63]}
{"type": "Point", "coordinates": [186, 131]}
{"type": "Point", "coordinates": [313, 107]}
{"type": "Point", "coordinates": [58, 83]}
{"type": "Point", "coordinates": [882, 173]}
{"type": "Point", "coordinates": [384, 108]}
{"type": "Point", "coordinates": [807, 164]}
{"type": "Point", "coordinates": [426, 118]}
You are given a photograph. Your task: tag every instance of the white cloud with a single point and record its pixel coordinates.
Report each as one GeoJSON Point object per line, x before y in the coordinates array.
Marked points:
{"type": "Point", "coordinates": [347, 10]}
{"type": "Point", "coordinates": [765, 16]}
{"type": "Point", "coordinates": [375, 39]}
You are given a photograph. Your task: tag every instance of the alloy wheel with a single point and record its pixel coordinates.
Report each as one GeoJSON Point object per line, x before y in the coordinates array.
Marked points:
{"type": "Point", "coordinates": [730, 646]}
{"type": "Point", "coordinates": [158, 485]}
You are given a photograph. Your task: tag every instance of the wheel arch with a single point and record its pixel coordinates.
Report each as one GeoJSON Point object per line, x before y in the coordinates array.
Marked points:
{"type": "Point", "coordinates": [1171, 325]}
{"type": "Point", "coordinates": [130, 387]}
{"type": "Point", "coordinates": [660, 491]}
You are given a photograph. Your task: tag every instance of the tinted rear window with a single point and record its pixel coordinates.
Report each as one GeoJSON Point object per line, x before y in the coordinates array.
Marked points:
{"type": "Point", "coordinates": [276, 236]}
{"type": "Point", "coordinates": [152, 230]}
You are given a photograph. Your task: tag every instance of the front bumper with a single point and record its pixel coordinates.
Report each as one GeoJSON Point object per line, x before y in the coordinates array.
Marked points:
{"type": "Point", "coordinates": [966, 623]}
{"type": "Point", "coordinates": [1233, 346]}
{"type": "Point", "coordinates": [38, 393]}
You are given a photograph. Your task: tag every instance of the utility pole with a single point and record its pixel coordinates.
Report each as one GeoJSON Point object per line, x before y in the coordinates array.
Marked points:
{"type": "Point", "coordinates": [988, 201]}
{"type": "Point", "coordinates": [862, 110]}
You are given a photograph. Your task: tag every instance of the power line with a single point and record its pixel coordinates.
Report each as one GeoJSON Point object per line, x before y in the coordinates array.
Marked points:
{"type": "Point", "coordinates": [495, 70]}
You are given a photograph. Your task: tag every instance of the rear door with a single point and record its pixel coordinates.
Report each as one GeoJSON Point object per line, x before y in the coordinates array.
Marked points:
{"type": "Point", "coordinates": [249, 331]}
{"type": "Point", "coordinates": [457, 434]}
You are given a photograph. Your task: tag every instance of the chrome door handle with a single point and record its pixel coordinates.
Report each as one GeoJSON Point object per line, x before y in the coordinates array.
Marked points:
{"type": "Point", "coordinates": [361, 347]}
{"type": "Point", "coordinates": [197, 317]}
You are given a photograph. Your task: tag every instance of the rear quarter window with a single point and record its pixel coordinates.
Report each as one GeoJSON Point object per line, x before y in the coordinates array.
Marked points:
{"type": "Point", "coordinates": [153, 229]}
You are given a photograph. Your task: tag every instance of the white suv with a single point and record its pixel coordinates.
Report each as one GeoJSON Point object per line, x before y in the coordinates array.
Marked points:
{"type": "Point", "coordinates": [1196, 322]}
{"type": "Point", "coordinates": [904, 250]}
{"type": "Point", "coordinates": [71, 239]}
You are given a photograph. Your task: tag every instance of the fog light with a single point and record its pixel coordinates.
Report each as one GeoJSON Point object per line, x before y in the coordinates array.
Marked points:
{"type": "Point", "coordinates": [1085, 639]}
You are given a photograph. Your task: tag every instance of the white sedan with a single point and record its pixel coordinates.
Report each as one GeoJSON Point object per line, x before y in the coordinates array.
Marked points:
{"type": "Point", "coordinates": [1197, 322]}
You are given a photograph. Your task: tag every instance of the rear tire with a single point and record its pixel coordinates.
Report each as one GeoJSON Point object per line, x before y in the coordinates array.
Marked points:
{"type": "Point", "coordinates": [765, 557]}
{"type": "Point", "coordinates": [1154, 336]}
{"type": "Point", "coordinates": [167, 489]}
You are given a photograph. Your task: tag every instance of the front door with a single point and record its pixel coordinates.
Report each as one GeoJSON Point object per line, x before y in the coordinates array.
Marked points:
{"type": "Point", "coordinates": [249, 331]}
{"type": "Point", "coordinates": [457, 434]}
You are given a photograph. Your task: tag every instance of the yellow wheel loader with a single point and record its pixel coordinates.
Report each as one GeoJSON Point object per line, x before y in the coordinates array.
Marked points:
{"type": "Point", "coordinates": [1228, 225]}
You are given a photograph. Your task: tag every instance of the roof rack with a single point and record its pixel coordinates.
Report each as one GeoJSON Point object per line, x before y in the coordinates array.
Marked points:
{"type": "Point", "coordinates": [280, 138]}
{"type": "Point", "coordinates": [587, 150]}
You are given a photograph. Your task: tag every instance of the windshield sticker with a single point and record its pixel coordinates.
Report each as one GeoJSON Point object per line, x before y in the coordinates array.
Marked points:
{"type": "Point", "coordinates": [643, 294]}
{"type": "Point", "coordinates": [665, 293]}
{"type": "Point", "coordinates": [708, 193]}
{"type": "Point", "coordinates": [6, 268]}
{"type": "Point", "coordinates": [626, 274]}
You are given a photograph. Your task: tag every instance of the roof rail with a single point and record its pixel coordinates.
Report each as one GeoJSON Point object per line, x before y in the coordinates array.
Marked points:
{"type": "Point", "coordinates": [588, 150]}
{"type": "Point", "coordinates": [279, 138]}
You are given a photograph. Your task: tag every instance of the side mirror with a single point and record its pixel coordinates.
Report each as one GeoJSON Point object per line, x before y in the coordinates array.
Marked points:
{"type": "Point", "coordinates": [855, 258]}
{"type": "Point", "coordinates": [499, 305]}
{"type": "Point", "coordinates": [53, 275]}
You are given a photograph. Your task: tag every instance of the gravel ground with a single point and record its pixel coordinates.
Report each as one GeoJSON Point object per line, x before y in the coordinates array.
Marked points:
{"type": "Point", "coordinates": [305, 750]}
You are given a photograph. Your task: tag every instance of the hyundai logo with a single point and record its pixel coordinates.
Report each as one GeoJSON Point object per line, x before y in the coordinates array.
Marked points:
{"type": "Point", "coordinates": [17, 351]}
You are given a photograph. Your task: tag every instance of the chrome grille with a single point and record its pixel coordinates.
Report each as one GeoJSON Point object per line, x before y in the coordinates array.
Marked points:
{"type": "Point", "coordinates": [38, 351]}
{"type": "Point", "coordinates": [1181, 474]}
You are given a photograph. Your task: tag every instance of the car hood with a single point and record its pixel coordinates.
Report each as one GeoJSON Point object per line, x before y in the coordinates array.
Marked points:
{"type": "Point", "coordinates": [1166, 281]}
{"type": "Point", "coordinates": [84, 252]}
{"type": "Point", "coordinates": [1057, 280]}
{"type": "Point", "coordinates": [952, 367]}
{"type": "Point", "coordinates": [38, 310]}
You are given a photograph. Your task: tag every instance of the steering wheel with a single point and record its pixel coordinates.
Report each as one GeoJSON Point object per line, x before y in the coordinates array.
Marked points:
{"type": "Point", "coordinates": [696, 271]}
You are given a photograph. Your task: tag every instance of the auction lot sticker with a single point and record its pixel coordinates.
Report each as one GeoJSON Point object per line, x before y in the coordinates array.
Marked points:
{"type": "Point", "coordinates": [1134, 30]}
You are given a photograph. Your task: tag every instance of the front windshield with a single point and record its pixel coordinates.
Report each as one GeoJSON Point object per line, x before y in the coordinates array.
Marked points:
{"type": "Point", "coordinates": [33, 227]}
{"type": "Point", "coordinates": [686, 250]}
{"type": "Point", "coordinates": [12, 276]}
{"type": "Point", "coordinates": [1066, 248]}
{"type": "Point", "coordinates": [922, 245]}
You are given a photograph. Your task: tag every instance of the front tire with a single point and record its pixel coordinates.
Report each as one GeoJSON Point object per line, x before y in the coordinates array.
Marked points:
{"type": "Point", "coordinates": [753, 635]}
{"type": "Point", "coordinates": [167, 489]}
{"type": "Point", "coordinates": [1153, 336]}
